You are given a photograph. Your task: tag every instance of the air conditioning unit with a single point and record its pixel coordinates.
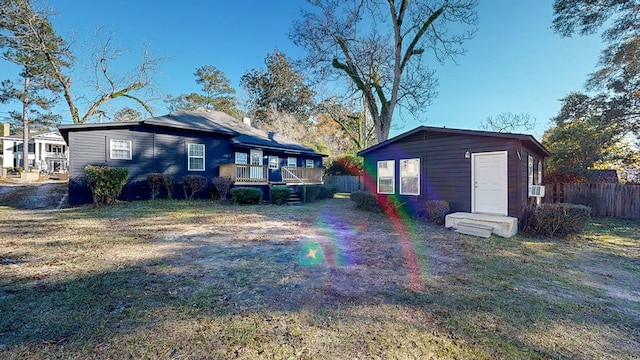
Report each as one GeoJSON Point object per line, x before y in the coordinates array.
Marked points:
{"type": "Point", "coordinates": [536, 190]}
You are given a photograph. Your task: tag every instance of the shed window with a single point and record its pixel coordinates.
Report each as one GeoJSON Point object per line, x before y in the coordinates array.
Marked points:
{"type": "Point", "coordinates": [410, 177]}
{"type": "Point", "coordinates": [540, 172]}
{"type": "Point", "coordinates": [241, 158]}
{"type": "Point", "coordinates": [273, 162]}
{"type": "Point", "coordinates": [309, 163]}
{"type": "Point", "coordinates": [386, 177]}
{"type": "Point", "coordinates": [196, 157]}
{"type": "Point", "coordinates": [292, 162]}
{"type": "Point", "coordinates": [530, 170]}
{"type": "Point", "coordinates": [120, 149]}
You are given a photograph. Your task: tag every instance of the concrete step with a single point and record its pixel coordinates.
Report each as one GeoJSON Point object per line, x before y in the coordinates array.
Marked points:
{"type": "Point", "coordinates": [474, 229]}
{"type": "Point", "coordinates": [504, 226]}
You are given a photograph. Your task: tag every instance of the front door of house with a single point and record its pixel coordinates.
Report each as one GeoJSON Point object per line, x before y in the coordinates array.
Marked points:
{"type": "Point", "coordinates": [256, 159]}
{"type": "Point", "coordinates": [489, 188]}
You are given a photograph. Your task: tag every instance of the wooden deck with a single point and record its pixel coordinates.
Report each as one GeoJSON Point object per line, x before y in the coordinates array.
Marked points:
{"type": "Point", "coordinates": [245, 174]}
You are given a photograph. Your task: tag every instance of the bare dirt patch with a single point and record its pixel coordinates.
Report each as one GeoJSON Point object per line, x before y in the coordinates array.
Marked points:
{"type": "Point", "coordinates": [33, 196]}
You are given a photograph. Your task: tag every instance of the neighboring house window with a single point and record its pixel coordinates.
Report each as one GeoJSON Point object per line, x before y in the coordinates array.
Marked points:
{"type": "Point", "coordinates": [273, 162]}
{"type": "Point", "coordinates": [386, 177]}
{"type": "Point", "coordinates": [309, 163]}
{"type": "Point", "coordinates": [196, 157]}
{"type": "Point", "coordinates": [120, 149]}
{"type": "Point", "coordinates": [410, 177]}
{"type": "Point", "coordinates": [241, 158]}
{"type": "Point", "coordinates": [292, 162]}
{"type": "Point", "coordinates": [540, 172]}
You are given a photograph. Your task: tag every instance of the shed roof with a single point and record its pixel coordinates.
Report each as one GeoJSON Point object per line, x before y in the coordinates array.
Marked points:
{"type": "Point", "coordinates": [209, 121]}
{"type": "Point", "coordinates": [528, 140]}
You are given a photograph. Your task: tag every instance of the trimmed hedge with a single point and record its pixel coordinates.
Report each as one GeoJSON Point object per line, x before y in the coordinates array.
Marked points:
{"type": "Point", "coordinates": [106, 183]}
{"type": "Point", "coordinates": [436, 211]}
{"type": "Point", "coordinates": [560, 220]}
{"type": "Point", "coordinates": [194, 183]}
{"type": "Point", "coordinates": [318, 192]}
{"type": "Point", "coordinates": [246, 195]}
{"type": "Point", "coordinates": [222, 186]}
{"type": "Point", "coordinates": [279, 195]}
{"type": "Point", "coordinates": [365, 200]}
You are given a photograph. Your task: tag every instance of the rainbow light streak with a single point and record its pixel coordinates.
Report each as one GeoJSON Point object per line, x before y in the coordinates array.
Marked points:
{"type": "Point", "coordinates": [329, 247]}
{"type": "Point", "coordinates": [408, 237]}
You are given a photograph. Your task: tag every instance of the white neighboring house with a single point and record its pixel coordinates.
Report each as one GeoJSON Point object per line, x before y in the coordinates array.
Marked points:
{"type": "Point", "coordinates": [47, 150]}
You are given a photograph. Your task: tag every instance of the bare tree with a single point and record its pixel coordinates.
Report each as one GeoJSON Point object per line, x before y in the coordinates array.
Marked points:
{"type": "Point", "coordinates": [508, 122]}
{"type": "Point", "coordinates": [354, 124]}
{"type": "Point", "coordinates": [57, 59]}
{"type": "Point", "coordinates": [21, 45]}
{"type": "Point", "coordinates": [380, 46]}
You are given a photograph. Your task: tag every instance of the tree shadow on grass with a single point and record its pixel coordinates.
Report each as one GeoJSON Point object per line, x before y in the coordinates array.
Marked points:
{"type": "Point", "coordinates": [250, 294]}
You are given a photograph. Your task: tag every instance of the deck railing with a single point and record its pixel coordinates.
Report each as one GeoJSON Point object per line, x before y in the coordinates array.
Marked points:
{"type": "Point", "coordinates": [252, 174]}
{"type": "Point", "coordinates": [301, 175]}
{"type": "Point", "coordinates": [244, 173]}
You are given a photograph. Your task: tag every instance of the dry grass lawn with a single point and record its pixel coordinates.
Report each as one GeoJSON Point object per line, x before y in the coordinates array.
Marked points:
{"type": "Point", "coordinates": [198, 279]}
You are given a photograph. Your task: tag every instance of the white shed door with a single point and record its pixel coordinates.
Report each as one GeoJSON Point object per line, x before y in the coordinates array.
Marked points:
{"type": "Point", "coordinates": [489, 178]}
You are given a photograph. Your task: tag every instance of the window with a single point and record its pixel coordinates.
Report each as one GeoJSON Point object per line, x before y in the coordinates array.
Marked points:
{"type": "Point", "coordinates": [196, 157]}
{"type": "Point", "coordinates": [273, 162]}
{"type": "Point", "coordinates": [292, 162]}
{"type": "Point", "coordinates": [410, 177]}
{"type": "Point", "coordinates": [540, 172]}
{"type": "Point", "coordinates": [386, 177]}
{"type": "Point", "coordinates": [530, 170]}
{"type": "Point", "coordinates": [120, 149]}
{"type": "Point", "coordinates": [309, 163]}
{"type": "Point", "coordinates": [241, 158]}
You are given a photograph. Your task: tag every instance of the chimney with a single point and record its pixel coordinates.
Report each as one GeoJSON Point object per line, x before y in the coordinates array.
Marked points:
{"type": "Point", "coordinates": [6, 129]}
{"type": "Point", "coordinates": [246, 120]}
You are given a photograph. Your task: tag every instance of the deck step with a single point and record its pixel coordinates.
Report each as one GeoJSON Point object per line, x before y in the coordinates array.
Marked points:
{"type": "Point", "coordinates": [474, 229]}
{"type": "Point", "coordinates": [294, 199]}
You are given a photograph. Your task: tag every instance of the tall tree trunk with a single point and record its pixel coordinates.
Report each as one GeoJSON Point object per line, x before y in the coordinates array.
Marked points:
{"type": "Point", "coordinates": [25, 124]}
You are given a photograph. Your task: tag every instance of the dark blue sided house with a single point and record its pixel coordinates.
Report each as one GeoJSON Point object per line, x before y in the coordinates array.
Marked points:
{"type": "Point", "coordinates": [200, 142]}
{"type": "Point", "coordinates": [488, 178]}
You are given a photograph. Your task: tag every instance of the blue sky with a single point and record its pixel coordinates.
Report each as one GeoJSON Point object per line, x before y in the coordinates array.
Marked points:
{"type": "Point", "coordinates": [514, 64]}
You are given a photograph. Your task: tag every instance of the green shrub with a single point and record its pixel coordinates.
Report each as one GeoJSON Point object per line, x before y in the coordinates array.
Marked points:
{"type": "Point", "coordinates": [106, 183]}
{"type": "Point", "coordinates": [222, 186]}
{"type": "Point", "coordinates": [436, 211]}
{"type": "Point", "coordinates": [365, 200]}
{"type": "Point", "coordinates": [279, 194]}
{"type": "Point", "coordinates": [246, 195]}
{"type": "Point", "coordinates": [193, 183]}
{"type": "Point", "coordinates": [326, 191]}
{"type": "Point", "coordinates": [559, 220]}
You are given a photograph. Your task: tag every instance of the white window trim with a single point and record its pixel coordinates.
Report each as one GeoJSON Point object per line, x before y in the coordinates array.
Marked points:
{"type": "Point", "coordinates": [539, 172]}
{"type": "Point", "coordinates": [189, 157]}
{"type": "Point", "coordinates": [393, 176]}
{"type": "Point", "coordinates": [293, 160]}
{"type": "Point", "coordinates": [306, 163]}
{"type": "Point", "coordinates": [402, 192]}
{"type": "Point", "coordinates": [529, 170]}
{"type": "Point", "coordinates": [112, 147]}
{"type": "Point", "coordinates": [277, 163]}
{"type": "Point", "coordinates": [246, 158]}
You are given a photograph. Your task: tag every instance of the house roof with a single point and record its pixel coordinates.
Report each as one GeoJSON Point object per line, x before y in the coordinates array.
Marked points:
{"type": "Point", "coordinates": [51, 135]}
{"type": "Point", "coordinates": [528, 140]}
{"type": "Point", "coordinates": [202, 120]}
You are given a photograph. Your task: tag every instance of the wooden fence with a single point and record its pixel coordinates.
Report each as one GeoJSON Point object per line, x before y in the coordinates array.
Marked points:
{"type": "Point", "coordinates": [345, 183]}
{"type": "Point", "coordinates": [605, 200]}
